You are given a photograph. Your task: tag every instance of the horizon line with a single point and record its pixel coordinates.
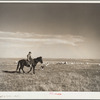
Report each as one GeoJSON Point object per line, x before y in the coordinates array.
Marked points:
{"type": "Point", "coordinates": [44, 58]}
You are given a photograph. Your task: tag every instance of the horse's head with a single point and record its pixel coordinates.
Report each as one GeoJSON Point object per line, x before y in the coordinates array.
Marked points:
{"type": "Point", "coordinates": [40, 59]}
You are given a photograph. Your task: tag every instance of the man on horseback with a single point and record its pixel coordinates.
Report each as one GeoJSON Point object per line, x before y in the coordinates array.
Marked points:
{"type": "Point", "coordinates": [29, 59]}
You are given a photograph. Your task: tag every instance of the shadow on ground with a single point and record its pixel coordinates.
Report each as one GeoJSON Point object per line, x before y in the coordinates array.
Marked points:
{"type": "Point", "coordinates": [9, 71]}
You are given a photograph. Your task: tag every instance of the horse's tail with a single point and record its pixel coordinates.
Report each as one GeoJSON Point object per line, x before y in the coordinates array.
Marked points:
{"type": "Point", "coordinates": [18, 65]}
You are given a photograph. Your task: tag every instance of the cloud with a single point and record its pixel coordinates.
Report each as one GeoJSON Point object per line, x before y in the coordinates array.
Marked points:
{"type": "Point", "coordinates": [41, 38]}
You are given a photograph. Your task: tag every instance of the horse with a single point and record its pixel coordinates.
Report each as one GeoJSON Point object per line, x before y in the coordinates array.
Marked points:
{"type": "Point", "coordinates": [23, 63]}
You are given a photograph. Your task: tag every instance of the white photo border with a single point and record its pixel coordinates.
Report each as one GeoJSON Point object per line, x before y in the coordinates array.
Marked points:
{"type": "Point", "coordinates": [50, 94]}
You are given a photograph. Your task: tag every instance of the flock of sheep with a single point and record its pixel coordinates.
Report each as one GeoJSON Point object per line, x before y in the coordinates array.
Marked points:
{"type": "Point", "coordinates": [70, 63]}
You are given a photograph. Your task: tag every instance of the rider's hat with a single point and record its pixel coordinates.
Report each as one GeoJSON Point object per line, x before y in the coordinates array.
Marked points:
{"type": "Point", "coordinates": [29, 52]}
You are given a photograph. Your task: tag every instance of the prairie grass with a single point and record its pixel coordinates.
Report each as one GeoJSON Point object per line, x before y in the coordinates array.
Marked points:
{"type": "Point", "coordinates": [54, 77]}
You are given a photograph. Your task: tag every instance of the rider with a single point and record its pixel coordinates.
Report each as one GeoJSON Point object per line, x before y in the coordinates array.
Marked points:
{"type": "Point", "coordinates": [29, 59]}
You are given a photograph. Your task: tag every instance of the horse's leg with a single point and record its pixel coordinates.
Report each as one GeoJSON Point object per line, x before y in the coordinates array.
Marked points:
{"type": "Point", "coordinates": [17, 66]}
{"type": "Point", "coordinates": [19, 70]}
{"type": "Point", "coordinates": [33, 70]}
{"type": "Point", "coordinates": [29, 70]}
{"type": "Point", "coordinates": [23, 69]}
{"type": "Point", "coordinates": [20, 67]}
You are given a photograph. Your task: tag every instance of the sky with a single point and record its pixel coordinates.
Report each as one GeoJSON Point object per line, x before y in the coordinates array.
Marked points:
{"type": "Point", "coordinates": [65, 30]}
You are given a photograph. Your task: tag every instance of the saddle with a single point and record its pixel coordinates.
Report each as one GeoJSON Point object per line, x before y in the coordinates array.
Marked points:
{"type": "Point", "coordinates": [30, 63]}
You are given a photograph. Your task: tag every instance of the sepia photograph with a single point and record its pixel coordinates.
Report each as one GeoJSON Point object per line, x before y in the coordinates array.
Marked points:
{"type": "Point", "coordinates": [50, 47]}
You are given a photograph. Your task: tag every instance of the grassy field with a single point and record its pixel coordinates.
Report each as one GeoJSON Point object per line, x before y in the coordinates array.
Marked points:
{"type": "Point", "coordinates": [57, 75]}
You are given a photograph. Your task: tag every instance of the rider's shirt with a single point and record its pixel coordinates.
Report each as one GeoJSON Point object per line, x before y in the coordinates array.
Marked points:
{"type": "Point", "coordinates": [29, 57]}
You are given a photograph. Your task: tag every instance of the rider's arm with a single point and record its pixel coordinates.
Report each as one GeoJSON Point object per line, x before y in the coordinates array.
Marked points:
{"type": "Point", "coordinates": [28, 57]}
